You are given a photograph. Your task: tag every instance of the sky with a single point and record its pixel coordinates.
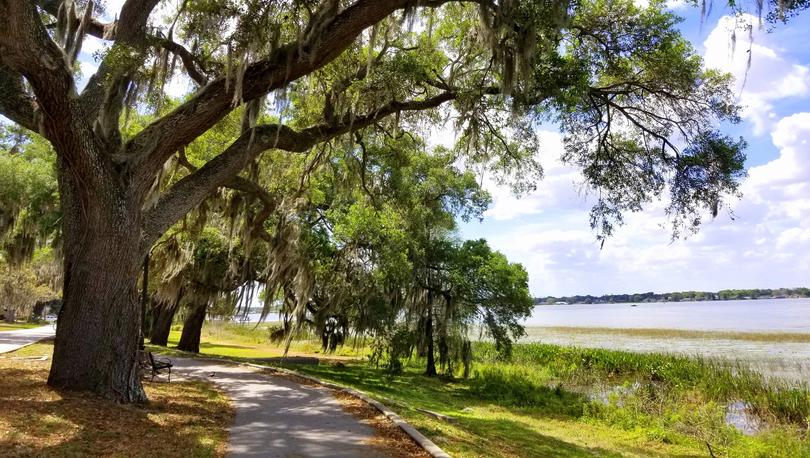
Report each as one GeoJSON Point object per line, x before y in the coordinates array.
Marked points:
{"type": "Point", "coordinates": [765, 244]}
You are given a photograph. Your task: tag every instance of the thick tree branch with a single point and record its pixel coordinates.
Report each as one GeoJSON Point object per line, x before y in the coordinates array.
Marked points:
{"type": "Point", "coordinates": [15, 104]}
{"type": "Point", "coordinates": [148, 150]}
{"type": "Point", "coordinates": [104, 31]}
{"type": "Point", "coordinates": [193, 189]}
{"type": "Point", "coordinates": [109, 32]}
{"type": "Point", "coordinates": [237, 183]}
{"type": "Point", "coordinates": [103, 97]}
{"type": "Point", "coordinates": [28, 51]}
{"type": "Point", "coordinates": [193, 66]}
{"type": "Point", "coordinates": [131, 27]}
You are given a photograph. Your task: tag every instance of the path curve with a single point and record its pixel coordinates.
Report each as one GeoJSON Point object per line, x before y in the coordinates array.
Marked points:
{"type": "Point", "coordinates": [14, 340]}
{"type": "Point", "coordinates": [277, 417]}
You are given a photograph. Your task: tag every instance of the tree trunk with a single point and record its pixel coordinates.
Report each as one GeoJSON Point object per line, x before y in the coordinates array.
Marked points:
{"type": "Point", "coordinates": [145, 327]}
{"type": "Point", "coordinates": [99, 324]}
{"type": "Point", "coordinates": [162, 324]}
{"type": "Point", "coordinates": [466, 350]}
{"type": "Point", "coordinates": [192, 329]}
{"type": "Point", "coordinates": [431, 360]}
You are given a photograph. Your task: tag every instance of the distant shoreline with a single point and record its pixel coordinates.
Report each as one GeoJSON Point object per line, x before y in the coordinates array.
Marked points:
{"type": "Point", "coordinates": [540, 302]}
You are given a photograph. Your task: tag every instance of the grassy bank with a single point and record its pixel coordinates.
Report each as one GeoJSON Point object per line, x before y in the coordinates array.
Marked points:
{"type": "Point", "coordinates": [559, 401]}
{"type": "Point", "coordinates": [556, 401]}
{"type": "Point", "coordinates": [776, 337]}
{"type": "Point", "coordinates": [18, 325]}
{"type": "Point", "coordinates": [181, 419]}
{"type": "Point", "coordinates": [251, 341]}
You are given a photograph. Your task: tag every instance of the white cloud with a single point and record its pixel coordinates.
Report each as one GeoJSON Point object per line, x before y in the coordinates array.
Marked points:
{"type": "Point", "coordinates": [677, 4]}
{"type": "Point", "coordinates": [557, 189]}
{"type": "Point", "coordinates": [88, 69]}
{"type": "Point", "coordinates": [91, 45]}
{"type": "Point", "coordinates": [671, 4]}
{"type": "Point", "coordinates": [766, 244]}
{"type": "Point", "coordinates": [112, 9]}
{"type": "Point", "coordinates": [771, 76]}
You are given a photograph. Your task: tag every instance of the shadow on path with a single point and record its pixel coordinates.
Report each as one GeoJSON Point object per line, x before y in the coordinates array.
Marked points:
{"type": "Point", "coordinates": [276, 417]}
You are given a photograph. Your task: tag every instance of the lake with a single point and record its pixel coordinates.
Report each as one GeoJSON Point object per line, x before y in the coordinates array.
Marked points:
{"type": "Point", "coordinates": [790, 360]}
{"type": "Point", "coordinates": [787, 360]}
{"type": "Point", "coordinates": [762, 315]}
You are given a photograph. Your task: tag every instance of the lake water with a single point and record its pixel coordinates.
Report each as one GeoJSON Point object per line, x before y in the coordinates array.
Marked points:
{"type": "Point", "coordinates": [788, 360]}
{"type": "Point", "coordinates": [763, 315]}
{"type": "Point", "coordinates": [271, 317]}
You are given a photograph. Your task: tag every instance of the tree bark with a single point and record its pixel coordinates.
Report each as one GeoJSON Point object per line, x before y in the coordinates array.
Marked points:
{"type": "Point", "coordinates": [103, 182]}
{"type": "Point", "coordinates": [430, 370]}
{"type": "Point", "coordinates": [466, 350]}
{"type": "Point", "coordinates": [99, 324]}
{"type": "Point", "coordinates": [144, 299]}
{"type": "Point", "coordinates": [162, 325]}
{"type": "Point", "coordinates": [192, 329]}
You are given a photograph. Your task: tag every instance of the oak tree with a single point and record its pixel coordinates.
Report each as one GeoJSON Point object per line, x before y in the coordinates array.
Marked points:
{"type": "Point", "coordinates": [626, 89]}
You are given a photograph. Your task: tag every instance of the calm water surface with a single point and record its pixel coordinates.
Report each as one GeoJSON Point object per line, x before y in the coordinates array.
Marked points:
{"type": "Point", "coordinates": [764, 315]}
{"type": "Point", "coordinates": [787, 360]}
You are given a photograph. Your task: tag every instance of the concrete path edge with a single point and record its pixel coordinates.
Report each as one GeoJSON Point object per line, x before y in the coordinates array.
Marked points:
{"type": "Point", "coordinates": [434, 450]}
{"type": "Point", "coordinates": [44, 339]}
{"type": "Point", "coordinates": [36, 340]}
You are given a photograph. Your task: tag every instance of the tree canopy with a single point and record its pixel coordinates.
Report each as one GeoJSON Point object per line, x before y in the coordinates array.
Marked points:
{"type": "Point", "coordinates": [318, 117]}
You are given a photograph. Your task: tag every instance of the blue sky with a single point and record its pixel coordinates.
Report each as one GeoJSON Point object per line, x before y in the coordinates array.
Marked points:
{"type": "Point", "coordinates": [766, 245]}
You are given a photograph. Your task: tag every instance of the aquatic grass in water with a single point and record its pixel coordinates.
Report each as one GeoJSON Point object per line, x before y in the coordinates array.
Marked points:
{"type": "Point", "coordinates": [715, 380]}
{"type": "Point", "coordinates": [668, 398]}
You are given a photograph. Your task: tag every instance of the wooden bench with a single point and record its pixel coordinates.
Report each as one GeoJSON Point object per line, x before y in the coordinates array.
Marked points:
{"type": "Point", "coordinates": [154, 366]}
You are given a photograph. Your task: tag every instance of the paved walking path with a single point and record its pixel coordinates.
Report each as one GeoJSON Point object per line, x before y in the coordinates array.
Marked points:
{"type": "Point", "coordinates": [12, 340]}
{"type": "Point", "coordinates": [276, 417]}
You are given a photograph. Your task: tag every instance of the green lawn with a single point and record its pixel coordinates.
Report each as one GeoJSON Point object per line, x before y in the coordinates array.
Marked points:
{"type": "Point", "coordinates": [486, 428]}
{"type": "Point", "coordinates": [534, 405]}
{"type": "Point", "coordinates": [14, 326]}
{"type": "Point", "coordinates": [249, 341]}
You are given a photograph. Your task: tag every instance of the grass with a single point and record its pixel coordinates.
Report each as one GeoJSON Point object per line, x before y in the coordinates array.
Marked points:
{"type": "Point", "coordinates": [249, 341]}
{"type": "Point", "coordinates": [181, 419]}
{"type": "Point", "coordinates": [556, 401]}
{"type": "Point", "coordinates": [550, 426]}
{"type": "Point", "coordinates": [18, 325]}
{"type": "Point", "coordinates": [779, 337]}
{"type": "Point", "coordinates": [713, 380]}
{"type": "Point", "coordinates": [520, 409]}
